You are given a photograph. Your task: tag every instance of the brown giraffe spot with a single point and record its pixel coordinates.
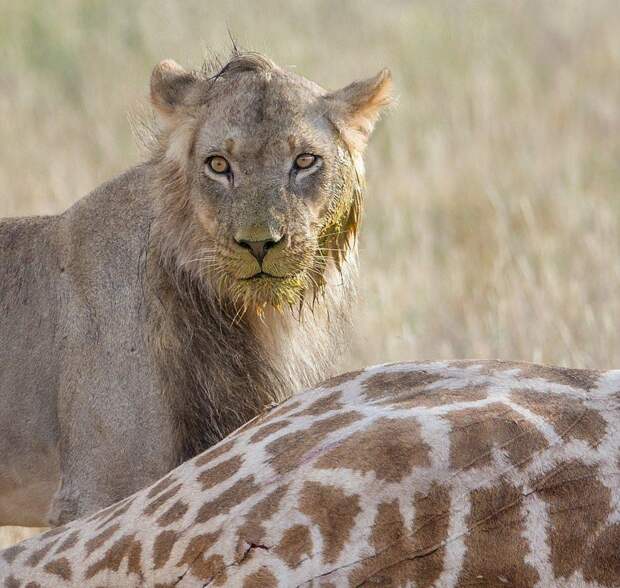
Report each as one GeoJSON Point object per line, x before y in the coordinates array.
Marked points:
{"type": "Point", "coordinates": [442, 397]}
{"type": "Point", "coordinates": [220, 449]}
{"type": "Point", "coordinates": [341, 379]}
{"type": "Point", "coordinates": [322, 405]}
{"type": "Point", "coordinates": [209, 568]}
{"type": "Point", "coordinates": [12, 552]}
{"type": "Point", "coordinates": [98, 540]}
{"type": "Point", "coordinates": [252, 531]}
{"type": "Point", "coordinates": [267, 430]}
{"type": "Point", "coordinates": [582, 379]}
{"type": "Point", "coordinates": [569, 417]}
{"type": "Point", "coordinates": [32, 585]}
{"type": "Point", "coordinates": [578, 504]}
{"type": "Point", "coordinates": [432, 519]}
{"type": "Point", "coordinates": [400, 557]}
{"type": "Point", "coordinates": [295, 543]}
{"type": "Point", "coordinates": [221, 472]}
{"type": "Point", "coordinates": [221, 578]}
{"type": "Point", "coordinates": [173, 514]}
{"type": "Point", "coordinates": [12, 582]}
{"type": "Point", "coordinates": [125, 548]}
{"type": "Point", "coordinates": [68, 543]}
{"type": "Point", "coordinates": [495, 546]}
{"type": "Point", "coordinates": [59, 567]}
{"type": "Point", "coordinates": [262, 578]}
{"type": "Point", "coordinates": [389, 447]}
{"type": "Point", "coordinates": [161, 485]}
{"type": "Point", "coordinates": [289, 450]}
{"type": "Point", "coordinates": [603, 562]}
{"type": "Point", "coordinates": [155, 504]}
{"type": "Point", "coordinates": [121, 509]}
{"type": "Point", "coordinates": [391, 547]}
{"type": "Point", "coordinates": [162, 547]}
{"type": "Point", "coordinates": [197, 547]}
{"type": "Point", "coordinates": [194, 556]}
{"type": "Point", "coordinates": [575, 378]}
{"type": "Point", "coordinates": [333, 512]}
{"type": "Point", "coordinates": [436, 397]}
{"type": "Point", "coordinates": [36, 557]}
{"type": "Point", "coordinates": [397, 387]}
{"type": "Point", "coordinates": [476, 431]}
{"type": "Point", "coordinates": [228, 499]}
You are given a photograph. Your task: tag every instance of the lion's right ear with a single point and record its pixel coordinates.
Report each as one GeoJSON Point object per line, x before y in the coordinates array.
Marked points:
{"type": "Point", "coordinates": [170, 86]}
{"type": "Point", "coordinates": [356, 108]}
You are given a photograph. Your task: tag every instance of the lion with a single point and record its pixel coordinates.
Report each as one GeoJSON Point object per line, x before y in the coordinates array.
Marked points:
{"type": "Point", "coordinates": [173, 303]}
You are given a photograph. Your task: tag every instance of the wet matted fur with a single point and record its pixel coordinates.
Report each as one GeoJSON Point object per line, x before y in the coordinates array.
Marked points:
{"type": "Point", "coordinates": [141, 326]}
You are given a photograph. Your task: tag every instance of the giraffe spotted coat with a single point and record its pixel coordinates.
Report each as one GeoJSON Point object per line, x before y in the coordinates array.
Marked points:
{"type": "Point", "coordinates": [419, 474]}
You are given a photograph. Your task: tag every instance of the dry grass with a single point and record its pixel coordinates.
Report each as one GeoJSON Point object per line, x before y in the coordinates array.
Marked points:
{"type": "Point", "coordinates": [492, 226]}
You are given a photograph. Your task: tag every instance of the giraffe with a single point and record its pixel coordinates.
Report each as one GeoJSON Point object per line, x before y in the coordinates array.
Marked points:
{"type": "Point", "coordinates": [445, 473]}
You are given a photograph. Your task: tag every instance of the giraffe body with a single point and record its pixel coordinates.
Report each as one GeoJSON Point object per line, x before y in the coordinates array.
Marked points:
{"type": "Point", "coordinates": [419, 474]}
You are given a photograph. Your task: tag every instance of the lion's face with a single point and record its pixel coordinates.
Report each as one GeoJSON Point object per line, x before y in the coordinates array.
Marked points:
{"type": "Point", "coordinates": [273, 185]}
{"type": "Point", "coordinates": [269, 172]}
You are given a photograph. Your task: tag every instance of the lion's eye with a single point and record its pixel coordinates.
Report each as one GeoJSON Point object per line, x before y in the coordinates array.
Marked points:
{"type": "Point", "coordinates": [218, 164]}
{"type": "Point", "coordinates": [305, 160]}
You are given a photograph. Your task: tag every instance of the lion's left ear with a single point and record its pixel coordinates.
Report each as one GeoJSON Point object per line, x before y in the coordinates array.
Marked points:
{"type": "Point", "coordinates": [356, 108]}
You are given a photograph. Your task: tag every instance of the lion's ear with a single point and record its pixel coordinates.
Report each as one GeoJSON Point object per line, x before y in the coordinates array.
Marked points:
{"type": "Point", "coordinates": [356, 108]}
{"type": "Point", "coordinates": [170, 85]}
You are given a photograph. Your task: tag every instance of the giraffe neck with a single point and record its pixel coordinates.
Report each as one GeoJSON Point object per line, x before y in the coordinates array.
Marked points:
{"type": "Point", "coordinates": [422, 474]}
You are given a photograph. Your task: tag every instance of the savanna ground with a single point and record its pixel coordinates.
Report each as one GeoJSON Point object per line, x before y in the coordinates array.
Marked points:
{"type": "Point", "coordinates": [492, 224]}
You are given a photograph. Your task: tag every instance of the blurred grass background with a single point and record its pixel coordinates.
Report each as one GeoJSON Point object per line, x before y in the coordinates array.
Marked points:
{"type": "Point", "coordinates": [492, 220]}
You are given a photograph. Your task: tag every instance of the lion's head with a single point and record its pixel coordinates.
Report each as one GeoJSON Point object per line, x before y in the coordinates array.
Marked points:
{"type": "Point", "coordinates": [260, 173]}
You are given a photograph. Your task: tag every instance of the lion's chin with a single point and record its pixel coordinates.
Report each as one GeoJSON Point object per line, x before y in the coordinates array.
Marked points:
{"type": "Point", "coordinates": [262, 290]}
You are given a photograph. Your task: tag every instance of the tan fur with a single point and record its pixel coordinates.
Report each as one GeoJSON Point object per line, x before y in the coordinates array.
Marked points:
{"type": "Point", "coordinates": [138, 327]}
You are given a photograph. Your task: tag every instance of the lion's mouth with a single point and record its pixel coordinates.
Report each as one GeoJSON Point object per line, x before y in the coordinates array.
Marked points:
{"type": "Point", "coordinates": [263, 276]}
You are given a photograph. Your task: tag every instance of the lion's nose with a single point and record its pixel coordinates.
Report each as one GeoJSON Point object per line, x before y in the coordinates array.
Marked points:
{"type": "Point", "coordinates": [258, 248]}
